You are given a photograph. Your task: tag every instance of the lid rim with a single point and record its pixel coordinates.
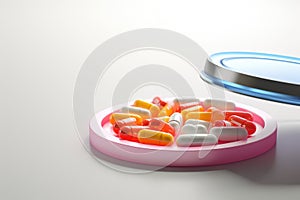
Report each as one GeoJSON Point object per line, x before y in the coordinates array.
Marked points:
{"type": "Point", "coordinates": [257, 93]}
{"type": "Point", "coordinates": [213, 70]}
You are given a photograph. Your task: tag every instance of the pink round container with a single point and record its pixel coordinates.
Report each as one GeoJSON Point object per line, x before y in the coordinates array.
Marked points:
{"type": "Point", "coordinates": [103, 139]}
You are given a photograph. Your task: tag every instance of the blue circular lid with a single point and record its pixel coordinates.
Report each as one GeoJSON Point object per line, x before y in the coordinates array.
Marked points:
{"type": "Point", "coordinates": [266, 76]}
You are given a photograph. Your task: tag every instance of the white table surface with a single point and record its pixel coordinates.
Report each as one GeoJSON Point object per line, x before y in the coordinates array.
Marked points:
{"type": "Point", "coordinates": [43, 45]}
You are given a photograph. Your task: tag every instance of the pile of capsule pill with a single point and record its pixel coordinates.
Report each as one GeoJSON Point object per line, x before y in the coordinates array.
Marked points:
{"type": "Point", "coordinates": [187, 120]}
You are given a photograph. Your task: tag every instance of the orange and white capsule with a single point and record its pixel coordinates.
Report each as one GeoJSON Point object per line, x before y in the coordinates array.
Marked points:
{"type": "Point", "coordinates": [114, 117]}
{"type": "Point", "coordinates": [154, 109]}
{"type": "Point", "coordinates": [147, 136]}
{"type": "Point", "coordinates": [130, 132]}
{"type": "Point", "coordinates": [144, 113]}
{"type": "Point", "coordinates": [206, 116]}
{"type": "Point", "coordinates": [126, 122]}
{"type": "Point", "coordinates": [191, 109]}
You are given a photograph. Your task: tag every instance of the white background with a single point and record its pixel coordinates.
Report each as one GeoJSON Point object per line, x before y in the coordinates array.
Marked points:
{"type": "Point", "coordinates": [43, 45]}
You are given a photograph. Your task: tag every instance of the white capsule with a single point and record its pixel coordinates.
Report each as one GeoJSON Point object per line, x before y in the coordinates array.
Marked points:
{"type": "Point", "coordinates": [193, 129]}
{"type": "Point", "coordinates": [229, 134]}
{"type": "Point", "coordinates": [183, 100]}
{"type": "Point", "coordinates": [196, 140]}
{"type": "Point", "coordinates": [196, 122]}
{"type": "Point", "coordinates": [176, 121]}
{"type": "Point", "coordinates": [201, 128]}
{"type": "Point", "coordinates": [144, 113]}
{"type": "Point", "coordinates": [175, 125]}
{"type": "Point", "coordinates": [219, 104]}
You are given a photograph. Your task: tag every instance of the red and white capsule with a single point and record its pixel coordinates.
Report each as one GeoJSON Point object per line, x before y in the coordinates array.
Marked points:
{"type": "Point", "coordinates": [124, 122]}
{"type": "Point", "coordinates": [243, 114]}
{"type": "Point", "coordinates": [160, 125]}
{"type": "Point", "coordinates": [239, 121]}
{"type": "Point", "coordinates": [159, 102]}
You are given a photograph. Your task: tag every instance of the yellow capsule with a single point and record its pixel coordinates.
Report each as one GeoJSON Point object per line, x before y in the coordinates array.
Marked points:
{"type": "Point", "coordinates": [119, 116]}
{"type": "Point", "coordinates": [154, 109]}
{"type": "Point", "coordinates": [164, 118]}
{"type": "Point", "coordinates": [167, 110]}
{"type": "Point", "coordinates": [191, 109]}
{"type": "Point", "coordinates": [206, 116]}
{"type": "Point", "coordinates": [146, 136]}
